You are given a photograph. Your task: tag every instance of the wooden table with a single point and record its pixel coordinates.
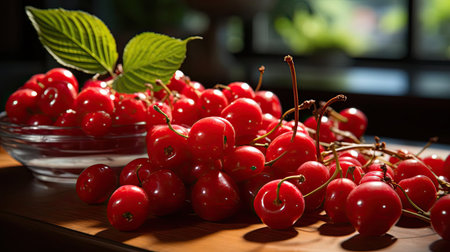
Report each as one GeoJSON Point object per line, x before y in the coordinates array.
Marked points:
{"type": "Point", "coordinates": [44, 216]}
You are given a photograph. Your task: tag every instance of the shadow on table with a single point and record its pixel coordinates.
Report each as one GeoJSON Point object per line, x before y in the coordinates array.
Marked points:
{"type": "Point", "coordinates": [330, 229]}
{"type": "Point", "coordinates": [440, 246]}
{"type": "Point", "coordinates": [368, 243]}
{"type": "Point", "coordinates": [266, 235]}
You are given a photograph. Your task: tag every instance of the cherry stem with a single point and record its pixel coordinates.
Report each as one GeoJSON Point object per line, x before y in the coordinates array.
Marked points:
{"type": "Point", "coordinates": [332, 113]}
{"type": "Point", "coordinates": [337, 171]}
{"type": "Point", "coordinates": [420, 210]}
{"type": "Point", "coordinates": [305, 105]}
{"type": "Point", "coordinates": [445, 185]}
{"type": "Point", "coordinates": [222, 86]}
{"type": "Point", "coordinates": [169, 93]}
{"type": "Point", "coordinates": [417, 215]}
{"type": "Point", "coordinates": [344, 133]}
{"type": "Point", "coordinates": [340, 97]}
{"type": "Point", "coordinates": [139, 166]}
{"type": "Point", "coordinates": [155, 107]}
{"type": "Point", "coordinates": [300, 178]}
{"type": "Point", "coordinates": [261, 73]}
{"type": "Point", "coordinates": [271, 162]}
{"type": "Point", "coordinates": [428, 144]}
{"type": "Point", "coordinates": [290, 62]}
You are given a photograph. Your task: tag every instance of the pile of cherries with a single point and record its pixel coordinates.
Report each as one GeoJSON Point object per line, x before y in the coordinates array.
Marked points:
{"type": "Point", "coordinates": [226, 149]}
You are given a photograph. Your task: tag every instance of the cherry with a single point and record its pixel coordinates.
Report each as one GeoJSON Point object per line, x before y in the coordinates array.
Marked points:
{"type": "Point", "coordinates": [245, 115]}
{"type": "Point", "coordinates": [60, 74]}
{"type": "Point", "coordinates": [185, 112]}
{"type": "Point", "coordinates": [438, 165]}
{"type": "Point", "coordinates": [177, 82]}
{"type": "Point", "coordinates": [57, 97]}
{"type": "Point", "coordinates": [129, 111]}
{"type": "Point", "coordinates": [193, 90]}
{"type": "Point", "coordinates": [356, 175]}
{"type": "Point", "coordinates": [167, 149]}
{"type": "Point", "coordinates": [199, 168]}
{"type": "Point", "coordinates": [96, 124]}
{"type": "Point", "coordinates": [211, 102]}
{"type": "Point", "coordinates": [211, 137]}
{"type": "Point", "coordinates": [279, 204]}
{"type": "Point", "coordinates": [93, 100]}
{"type": "Point", "coordinates": [95, 84]}
{"type": "Point", "coordinates": [410, 168]}
{"type": "Point", "coordinates": [376, 176]}
{"type": "Point", "coordinates": [420, 189]}
{"type": "Point", "coordinates": [267, 119]}
{"type": "Point", "coordinates": [128, 208]}
{"type": "Point", "coordinates": [215, 196]}
{"type": "Point", "coordinates": [40, 119]}
{"type": "Point", "coordinates": [377, 166]}
{"type": "Point", "coordinates": [295, 152]}
{"type": "Point", "coordinates": [156, 118]}
{"type": "Point", "coordinates": [401, 152]}
{"type": "Point", "coordinates": [248, 139]}
{"type": "Point", "coordinates": [316, 174]}
{"type": "Point", "coordinates": [238, 89]}
{"type": "Point", "coordinates": [356, 121]}
{"type": "Point", "coordinates": [336, 199]}
{"type": "Point", "coordinates": [129, 173]}
{"type": "Point", "coordinates": [283, 128]}
{"type": "Point", "coordinates": [269, 103]}
{"type": "Point", "coordinates": [35, 83]}
{"type": "Point", "coordinates": [96, 183]}
{"type": "Point", "coordinates": [250, 187]}
{"type": "Point", "coordinates": [67, 119]}
{"type": "Point", "coordinates": [166, 192]}
{"type": "Point", "coordinates": [354, 154]}
{"type": "Point", "coordinates": [373, 208]}
{"type": "Point", "coordinates": [21, 105]}
{"type": "Point", "coordinates": [440, 217]}
{"type": "Point", "coordinates": [243, 162]}
{"type": "Point", "coordinates": [326, 135]}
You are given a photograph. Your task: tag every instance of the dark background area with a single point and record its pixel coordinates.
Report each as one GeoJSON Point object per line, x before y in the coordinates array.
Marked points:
{"type": "Point", "coordinates": [404, 93]}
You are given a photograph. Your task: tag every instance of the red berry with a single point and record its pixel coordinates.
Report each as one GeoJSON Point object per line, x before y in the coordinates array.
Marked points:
{"type": "Point", "coordinates": [96, 183]}
{"type": "Point", "coordinates": [96, 124]}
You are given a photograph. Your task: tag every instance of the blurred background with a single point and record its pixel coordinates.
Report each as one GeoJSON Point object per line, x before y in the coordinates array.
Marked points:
{"type": "Point", "coordinates": [390, 57]}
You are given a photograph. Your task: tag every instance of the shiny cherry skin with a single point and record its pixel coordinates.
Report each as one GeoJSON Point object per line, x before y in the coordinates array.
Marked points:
{"type": "Point", "coordinates": [95, 84]}
{"type": "Point", "coordinates": [356, 121]}
{"type": "Point", "coordinates": [243, 162]}
{"type": "Point", "coordinates": [420, 189]}
{"type": "Point", "coordinates": [166, 192]}
{"type": "Point", "coordinates": [373, 208]}
{"type": "Point", "coordinates": [211, 102]}
{"type": "Point", "coordinates": [67, 119]}
{"type": "Point", "coordinates": [410, 168]}
{"type": "Point", "coordinates": [238, 90]}
{"type": "Point", "coordinates": [57, 97]}
{"type": "Point", "coordinates": [35, 83]}
{"type": "Point", "coordinates": [199, 168]}
{"type": "Point", "coordinates": [326, 135]}
{"type": "Point", "coordinates": [269, 103]}
{"type": "Point", "coordinates": [193, 90]}
{"type": "Point", "coordinates": [439, 166]}
{"type": "Point", "coordinates": [354, 154]}
{"type": "Point", "coordinates": [185, 112]}
{"type": "Point", "coordinates": [60, 74]}
{"type": "Point", "coordinates": [345, 165]}
{"type": "Point", "coordinates": [177, 82]}
{"type": "Point", "coordinates": [128, 208]}
{"type": "Point", "coordinates": [166, 149]}
{"type": "Point", "coordinates": [40, 119]}
{"type": "Point", "coordinates": [298, 151]}
{"type": "Point", "coordinates": [281, 214]}
{"type": "Point", "coordinates": [376, 176]}
{"type": "Point", "coordinates": [129, 173]}
{"type": "Point", "coordinates": [96, 183]}
{"type": "Point", "coordinates": [21, 105]}
{"type": "Point", "coordinates": [283, 128]}
{"type": "Point", "coordinates": [215, 196]}
{"type": "Point", "coordinates": [316, 174]}
{"type": "Point", "coordinates": [377, 166]}
{"type": "Point", "coordinates": [440, 217]}
{"type": "Point", "coordinates": [402, 152]}
{"type": "Point", "coordinates": [250, 187]}
{"type": "Point", "coordinates": [129, 111]}
{"type": "Point", "coordinates": [211, 137]}
{"type": "Point", "coordinates": [92, 100]}
{"type": "Point", "coordinates": [336, 195]}
{"type": "Point", "coordinates": [156, 118]}
{"type": "Point", "coordinates": [96, 124]}
{"type": "Point", "coordinates": [245, 115]}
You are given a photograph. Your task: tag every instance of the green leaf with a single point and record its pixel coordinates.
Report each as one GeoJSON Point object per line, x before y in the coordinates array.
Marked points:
{"type": "Point", "coordinates": [75, 39]}
{"type": "Point", "coordinates": [149, 57]}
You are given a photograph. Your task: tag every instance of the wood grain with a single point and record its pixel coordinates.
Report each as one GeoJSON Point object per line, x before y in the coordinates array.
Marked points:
{"type": "Point", "coordinates": [58, 216]}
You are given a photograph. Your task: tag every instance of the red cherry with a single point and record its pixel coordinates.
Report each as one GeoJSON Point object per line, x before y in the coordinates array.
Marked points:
{"type": "Point", "coordinates": [156, 118]}
{"type": "Point", "coordinates": [199, 168]}
{"type": "Point", "coordinates": [436, 164]}
{"type": "Point", "coordinates": [243, 162]}
{"type": "Point", "coordinates": [373, 208]}
{"type": "Point", "coordinates": [375, 176]}
{"type": "Point", "coordinates": [410, 168]}
{"type": "Point", "coordinates": [269, 103]}
{"type": "Point", "coordinates": [356, 175]}
{"type": "Point", "coordinates": [420, 189]}
{"type": "Point", "coordinates": [245, 115]}
{"type": "Point", "coordinates": [395, 160]}
{"type": "Point", "coordinates": [60, 74]}
{"type": "Point", "coordinates": [238, 89]}
{"type": "Point", "coordinates": [440, 217]}
{"type": "Point", "coordinates": [40, 119]}
{"type": "Point", "coordinates": [21, 105]}
{"type": "Point", "coordinates": [128, 208]}
{"type": "Point", "coordinates": [354, 154]}
{"type": "Point", "coordinates": [35, 83]}
{"type": "Point", "coordinates": [141, 166]}
{"type": "Point", "coordinates": [95, 84]}
{"type": "Point", "coordinates": [316, 174]}
{"type": "Point", "coordinates": [377, 166]}
{"type": "Point", "coordinates": [211, 137]}
{"type": "Point", "coordinates": [356, 121]}
{"type": "Point", "coordinates": [96, 183]}
{"type": "Point", "coordinates": [129, 111]}
{"type": "Point", "coordinates": [177, 82]}
{"type": "Point", "coordinates": [93, 100]}
{"type": "Point", "coordinates": [211, 102]}
{"type": "Point", "coordinates": [57, 97]}
{"type": "Point", "coordinates": [166, 192]}
{"type": "Point", "coordinates": [185, 112]}
{"type": "Point", "coordinates": [215, 196]}
{"type": "Point", "coordinates": [96, 124]}
{"type": "Point", "coordinates": [284, 212]}
{"type": "Point", "coordinates": [166, 149]}
{"type": "Point", "coordinates": [336, 199]}
{"type": "Point", "coordinates": [249, 188]}
{"type": "Point", "coordinates": [67, 119]}
{"type": "Point", "coordinates": [326, 135]}
{"type": "Point", "coordinates": [193, 90]}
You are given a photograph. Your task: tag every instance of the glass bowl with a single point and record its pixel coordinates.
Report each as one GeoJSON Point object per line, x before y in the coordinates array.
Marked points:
{"type": "Point", "coordinates": [59, 154]}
